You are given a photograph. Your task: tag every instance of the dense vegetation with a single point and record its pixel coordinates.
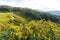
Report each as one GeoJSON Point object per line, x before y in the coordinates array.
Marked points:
{"type": "Point", "coordinates": [29, 13]}
{"type": "Point", "coordinates": [26, 24]}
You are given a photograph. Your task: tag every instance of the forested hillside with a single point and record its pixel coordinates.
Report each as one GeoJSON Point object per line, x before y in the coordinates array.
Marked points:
{"type": "Point", "coordinates": [18, 23]}
{"type": "Point", "coordinates": [29, 13]}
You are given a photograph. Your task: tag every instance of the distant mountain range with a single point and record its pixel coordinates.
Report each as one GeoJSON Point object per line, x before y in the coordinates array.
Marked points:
{"type": "Point", "coordinates": [54, 12]}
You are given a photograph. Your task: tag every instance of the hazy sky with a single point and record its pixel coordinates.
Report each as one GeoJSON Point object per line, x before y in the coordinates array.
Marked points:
{"type": "Point", "coordinates": [45, 5]}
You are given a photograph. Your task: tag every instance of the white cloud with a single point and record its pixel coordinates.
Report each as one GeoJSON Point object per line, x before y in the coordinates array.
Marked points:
{"type": "Point", "coordinates": [35, 4]}
{"type": "Point", "coordinates": [7, 3]}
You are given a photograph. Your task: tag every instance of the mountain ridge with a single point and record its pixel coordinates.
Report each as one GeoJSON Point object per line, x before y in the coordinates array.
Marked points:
{"type": "Point", "coordinates": [55, 12]}
{"type": "Point", "coordinates": [30, 13]}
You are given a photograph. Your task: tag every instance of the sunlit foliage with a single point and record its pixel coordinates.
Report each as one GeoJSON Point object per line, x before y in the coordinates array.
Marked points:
{"type": "Point", "coordinates": [13, 27]}
{"type": "Point", "coordinates": [27, 24]}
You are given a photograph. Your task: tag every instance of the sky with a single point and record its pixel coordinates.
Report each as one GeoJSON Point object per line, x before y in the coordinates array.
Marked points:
{"type": "Point", "coordinates": [45, 5]}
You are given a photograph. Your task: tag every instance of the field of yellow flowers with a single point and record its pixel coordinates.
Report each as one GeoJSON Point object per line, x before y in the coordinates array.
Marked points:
{"type": "Point", "coordinates": [11, 29]}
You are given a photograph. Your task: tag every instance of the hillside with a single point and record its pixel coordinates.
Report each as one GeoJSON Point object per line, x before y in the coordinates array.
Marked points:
{"type": "Point", "coordinates": [30, 14]}
{"type": "Point", "coordinates": [27, 24]}
{"type": "Point", "coordinates": [9, 17]}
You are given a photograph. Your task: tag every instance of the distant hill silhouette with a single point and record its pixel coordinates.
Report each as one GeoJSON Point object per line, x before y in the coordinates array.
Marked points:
{"type": "Point", "coordinates": [55, 12]}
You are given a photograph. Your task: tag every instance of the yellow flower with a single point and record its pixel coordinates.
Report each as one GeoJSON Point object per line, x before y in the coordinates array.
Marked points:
{"type": "Point", "coordinates": [13, 27]}
{"type": "Point", "coordinates": [49, 38]}
{"type": "Point", "coordinates": [42, 35]}
{"type": "Point", "coordinates": [40, 30]}
{"type": "Point", "coordinates": [20, 34]}
{"type": "Point", "coordinates": [17, 34]}
{"type": "Point", "coordinates": [25, 36]}
{"type": "Point", "coordinates": [34, 35]}
{"type": "Point", "coordinates": [31, 31]}
{"type": "Point", "coordinates": [45, 37]}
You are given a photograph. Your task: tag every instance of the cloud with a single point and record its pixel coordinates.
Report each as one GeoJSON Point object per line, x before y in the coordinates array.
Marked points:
{"type": "Point", "coordinates": [41, 4]}
{"type": "Point", "coordinates": [7, 3]}
{"type": "Point", "coordinates": [34, 4]}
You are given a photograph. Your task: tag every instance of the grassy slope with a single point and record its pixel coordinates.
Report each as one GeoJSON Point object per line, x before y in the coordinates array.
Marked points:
{"type": "Point", "coordinates": [9, 16]}
{"type": "Point", "coordinates": [6, 17]}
